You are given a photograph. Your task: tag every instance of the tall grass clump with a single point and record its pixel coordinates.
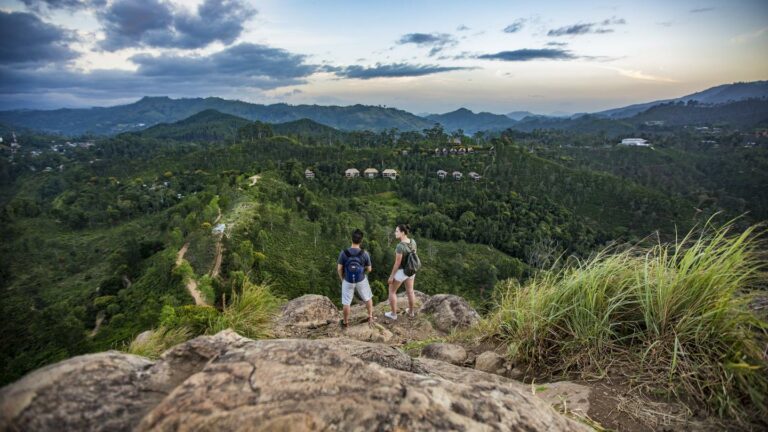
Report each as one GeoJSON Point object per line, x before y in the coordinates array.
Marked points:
{"type": "Point", "coordinates": [674, 316]}
{"type": "Point", "coordinates": [158, 341]}
{"type": "Point", "coordinates": [250, 313]}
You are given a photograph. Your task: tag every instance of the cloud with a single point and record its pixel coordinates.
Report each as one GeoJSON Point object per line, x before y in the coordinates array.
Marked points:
{"type": "Point", "coordinates": [437, 41]}
{"type": "Point", "coordinates": [158, 23]}
{"type": "Point", "coordinates": [463, 28]}
{"type": "Point", "coordinates": [557, 44]}
{"type": "Point", "coordinates": [241, 61]}
{"type": "Point", "coordinates": [587, 28]}
{"type": "Point", "coordinates": [515, 27]}
{"type": "Point", "coordinates": [39, 5]}
{"type": "Point", "coordinates": [394, 70]}
{"type": "Point", "coordinates": [528, 54]}
{"type": "Point", "coordinates": [640, 75]}
{"type": "Point", "coordinates": [747, 37]}
{"type": "Point", "coordinates": [701, 10]}
{"type": "Point", "coordinates": [232, 71]}
{"type": "Point", "coordinates": [27, 41]}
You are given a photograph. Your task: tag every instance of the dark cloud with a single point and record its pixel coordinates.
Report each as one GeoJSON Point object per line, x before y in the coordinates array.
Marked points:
{"type": "Point", "coordinates": [394, 70]}
{"type": "Point", "coordinates": [515, 26]}
{"type": "Point", "coordinates": [587, 28]}
{"type": "Point", "coordinates": [436, 41]}
{"type": "Point", "coordinates": [241, 67]}
{"type": "Point", "coordinates": [557, 44]}
{"type": "Point", "coordinates": [527, 54]}
{"type": "Point", "coordinates": [700, 10]}
{"type": "Point", "coordinates": [39, 5]}
{"type": "Point", "coordinates": [157, 23]}
{"type": "Point", "coordinates": [241, 61]}
{"type": "Point", "coordinates": [25, 41]}
{"type": "Point", "coordinates": [463, 28]}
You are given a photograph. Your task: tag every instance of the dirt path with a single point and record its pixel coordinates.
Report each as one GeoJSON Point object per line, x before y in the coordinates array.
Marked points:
{"type": "Point", "coordinates": [99, 320]}
{"type": "Point", "coordinates": [191, 282]}
{"type": "Point", "coordinates": [254, 179]}
{"type": "Point", "coordinates": [217, 260]}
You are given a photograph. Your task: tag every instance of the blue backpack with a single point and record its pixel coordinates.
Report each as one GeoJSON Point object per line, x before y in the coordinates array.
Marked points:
{"type": "Point", "coordinates": [354, 266]}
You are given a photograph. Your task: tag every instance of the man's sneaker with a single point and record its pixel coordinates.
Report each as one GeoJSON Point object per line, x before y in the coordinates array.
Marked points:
{"type": "Point", "coordinates": [390, 315]}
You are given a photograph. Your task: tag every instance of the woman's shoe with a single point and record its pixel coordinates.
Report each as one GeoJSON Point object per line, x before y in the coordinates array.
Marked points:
{"type": "Point", "coordinates": [391, 316]}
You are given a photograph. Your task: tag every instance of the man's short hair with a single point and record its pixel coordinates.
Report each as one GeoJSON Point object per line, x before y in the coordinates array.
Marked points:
{"type": "Point", "coordinates": [357, 236]}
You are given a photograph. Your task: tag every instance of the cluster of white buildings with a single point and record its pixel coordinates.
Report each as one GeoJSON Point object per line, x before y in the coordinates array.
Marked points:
{"type": "Point", "coordinates": [460, 151]}
{"type": "Point", "coordinates": [355, 173]}
{"type": "Point", "coordinates": [458, 175]}
{"type": "Point", "coordinates": [371, 173]}
{"type": "Point", "coordinates": [635, 142]}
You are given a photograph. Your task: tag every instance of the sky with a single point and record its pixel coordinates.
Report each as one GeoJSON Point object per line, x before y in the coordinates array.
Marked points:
{"type": "Point", "coordinates": [548, 57]}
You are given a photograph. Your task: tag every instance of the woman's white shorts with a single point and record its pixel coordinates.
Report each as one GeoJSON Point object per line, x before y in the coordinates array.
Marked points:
{"type": "Point", "coordinates": [401, 277]}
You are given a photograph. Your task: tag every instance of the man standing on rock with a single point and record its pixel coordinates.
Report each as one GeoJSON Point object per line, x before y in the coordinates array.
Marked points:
{"type": "Point", "coordinates": [352, 266]}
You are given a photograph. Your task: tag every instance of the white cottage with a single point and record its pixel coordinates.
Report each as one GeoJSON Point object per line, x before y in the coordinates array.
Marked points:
{"type": "Point", "coordinates": [352, 173]}
{"type": "Point", "coordinates": [371, 173]}
{"type": "Point", "coordinates": [441, 174]}
{"type": "Point", "coordinates": [457, 175]}
{"type": "Point", "coordinates": [636, 142]}
{"type": "Point", "coordinates": [389, 173]}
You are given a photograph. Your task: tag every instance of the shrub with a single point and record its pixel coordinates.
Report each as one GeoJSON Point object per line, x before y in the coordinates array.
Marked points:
{"type": "Point", "coordinates": [198, 319]}
{"type": "Point", "coordinates": [675, 315]}
{"type": "Point", "coordinates": [158, 341]}
{"type": "Point", "coordinates": [250, 312]}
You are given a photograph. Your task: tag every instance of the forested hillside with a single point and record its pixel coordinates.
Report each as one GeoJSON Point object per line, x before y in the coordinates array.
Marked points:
{"type": "Point", "coordinates": [92, 233]}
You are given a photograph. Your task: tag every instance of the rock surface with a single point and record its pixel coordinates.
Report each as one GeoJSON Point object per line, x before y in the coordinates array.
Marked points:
{"type": "Point", "coordinates": [227, 382]}
{"type": "Point", "coordinates": [450, 312]}
{"type": "Point", "coordinates": [454, 354]}
{"type": "Point", "coordinates": [90, 392]}
{"type": "Point", "coordinates": [490, 362]}
{"type": "Point", "coordinates": [304, 312]}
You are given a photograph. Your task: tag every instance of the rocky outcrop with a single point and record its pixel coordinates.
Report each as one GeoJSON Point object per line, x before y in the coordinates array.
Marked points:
{"type": "Point", "coordinates": [451, 353]}
{"type": "Point", "coordinates": [91, 392]}
{"type": "Point", "coordinates": [450, 312]}
{"type": "Point", "coordinates": [226, 382]}
{"type": "Point", "coordinates": [307, 311]}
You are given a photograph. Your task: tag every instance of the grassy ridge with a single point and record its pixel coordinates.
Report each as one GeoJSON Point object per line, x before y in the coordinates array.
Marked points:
{"type": "Point", "coordinates": [674, 315]}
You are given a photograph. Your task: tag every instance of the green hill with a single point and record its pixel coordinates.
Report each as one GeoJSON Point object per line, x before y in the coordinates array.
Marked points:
{"type": "Point", "coordinates": [208, 125]}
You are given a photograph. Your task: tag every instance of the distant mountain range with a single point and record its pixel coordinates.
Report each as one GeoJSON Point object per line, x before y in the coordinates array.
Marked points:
{"type": "Point", "coordinates": [470, 122]}
{"type": "Point", "coordinates": [715, 95]}
{"type": "Point", "coordinates": [151, 111]}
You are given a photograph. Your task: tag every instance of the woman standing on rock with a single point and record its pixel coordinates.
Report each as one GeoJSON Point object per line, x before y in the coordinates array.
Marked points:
{"type": "Point", "coordinates": [405, 247]}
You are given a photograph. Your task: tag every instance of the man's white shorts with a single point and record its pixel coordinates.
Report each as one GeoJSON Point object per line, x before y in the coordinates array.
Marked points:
{"type": "Point", "coordinates": [400, 276]}
{"type": "Point", "coordinates": [348, 290]}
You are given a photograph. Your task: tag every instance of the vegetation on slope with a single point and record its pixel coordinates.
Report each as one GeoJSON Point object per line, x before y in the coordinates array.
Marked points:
{"type": "Point", "coordinates": [672, 317]}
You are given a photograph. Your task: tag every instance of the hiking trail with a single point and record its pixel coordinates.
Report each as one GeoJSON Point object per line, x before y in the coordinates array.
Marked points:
{"type": "Point", "coordinates": [191, 282]}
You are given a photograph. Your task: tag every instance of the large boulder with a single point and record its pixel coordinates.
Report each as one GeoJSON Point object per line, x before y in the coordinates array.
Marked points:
{"type": "Point", "coordinates": [89, 392]}
{"type": "Point", "coordinates": [295, 384]}
{"type": "Point", "coordinates": [450, 312]}
{"type": "Point", "coordinates": [307, 311]}
{"type": "Point", "coordinates": [451, 353]}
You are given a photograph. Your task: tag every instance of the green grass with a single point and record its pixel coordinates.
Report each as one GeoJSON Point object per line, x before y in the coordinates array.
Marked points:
{"type": "Point", "coordinates": [250, 312]}
{"type": "Point", "coordinates": [673, 316]}
{"type": "Point", "coordinates": [158, 342]}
